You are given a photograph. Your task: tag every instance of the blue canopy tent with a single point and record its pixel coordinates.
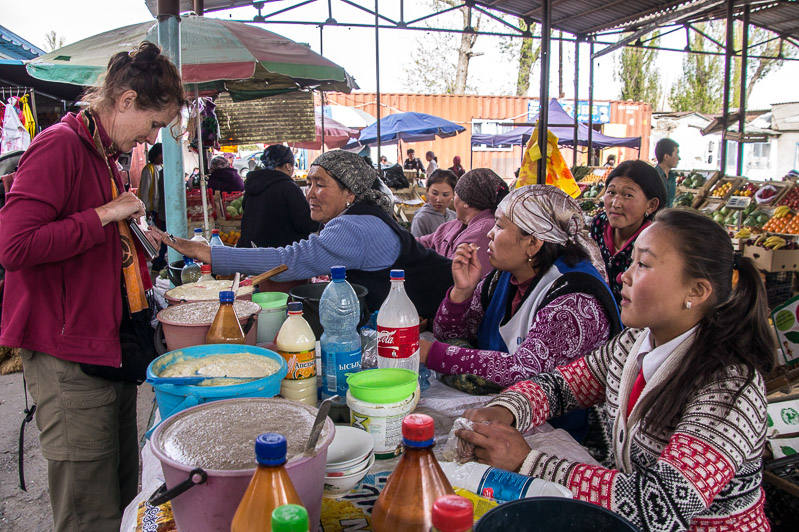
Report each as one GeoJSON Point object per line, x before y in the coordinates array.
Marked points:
{"type": "Point", "coordinates": [519, 136]}
{"type": "Point", "coordinates": [406, 127]}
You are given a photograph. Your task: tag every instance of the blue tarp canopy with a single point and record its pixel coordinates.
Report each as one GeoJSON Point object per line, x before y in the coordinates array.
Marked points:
{"type": "Point", "coordinates": [407, 127]}
{"type": "Point", "coordinates": [519, 136]}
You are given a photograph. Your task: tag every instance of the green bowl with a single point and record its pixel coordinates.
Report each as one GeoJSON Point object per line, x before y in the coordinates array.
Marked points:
{"type": "Point", "coordinates": [383, 386]}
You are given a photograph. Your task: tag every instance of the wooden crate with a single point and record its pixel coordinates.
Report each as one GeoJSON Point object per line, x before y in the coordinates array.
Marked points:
{"type": "Point", "coordinates": [735, 182]}
{"type": "Point", "coordinates": [782, 190]}
{"type": "Point", "coordinates": [711, 177]}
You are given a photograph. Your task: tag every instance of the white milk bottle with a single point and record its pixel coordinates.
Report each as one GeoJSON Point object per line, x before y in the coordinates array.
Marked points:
{"type": "Point", "coordinates": [297, 344]}
{"type": "Point", "coordinates": [398, 328]}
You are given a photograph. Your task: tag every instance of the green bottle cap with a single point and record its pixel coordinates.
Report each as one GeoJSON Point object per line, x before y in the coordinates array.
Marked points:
{"type": "Point", "coordinates": [290, 518]}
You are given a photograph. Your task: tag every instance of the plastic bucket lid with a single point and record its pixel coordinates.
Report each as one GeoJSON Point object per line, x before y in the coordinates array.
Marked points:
{"type": "Point", "coordinates": [270, 300]}
{"type": "Point", "coordinates": [383, 385]}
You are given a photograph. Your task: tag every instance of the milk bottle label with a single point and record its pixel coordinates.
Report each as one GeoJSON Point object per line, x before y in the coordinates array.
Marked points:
{"type": "Point", "coordinates": [503, 485]}
{"type": "Point", "coordinates": [302, 364]}
{"type": "Point", "coordinates": [399, 342]}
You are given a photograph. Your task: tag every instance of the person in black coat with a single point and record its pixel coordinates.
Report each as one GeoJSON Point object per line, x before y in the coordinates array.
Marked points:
{"type": "Point", "coordinates": [276, 213]}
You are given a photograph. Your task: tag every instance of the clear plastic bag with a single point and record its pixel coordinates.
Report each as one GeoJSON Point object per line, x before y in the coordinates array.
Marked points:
{"type": "Point", "coordinates": [456, 449]}
{"type": "Point", "coordinates": [368, 348]}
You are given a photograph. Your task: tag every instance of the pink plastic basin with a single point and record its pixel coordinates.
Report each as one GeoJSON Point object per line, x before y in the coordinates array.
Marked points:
{"type": "Point", "coordinates": [211, 505]}
{"type": "Point", "coordinates": [182, 335]}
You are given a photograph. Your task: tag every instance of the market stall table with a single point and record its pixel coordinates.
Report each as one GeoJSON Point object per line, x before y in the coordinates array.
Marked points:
{"type": "Point", "coordinates": [442, 403]}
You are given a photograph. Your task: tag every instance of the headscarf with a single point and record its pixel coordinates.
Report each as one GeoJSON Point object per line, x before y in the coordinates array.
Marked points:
{"type": "Point", "coordinates": [456, 161]}
{"type": "Point", "coordinates": [277, 155]}
{"type": "Point", "coordinates": [352, 171]}
{"type": "Point", "coordinates": [551, 215]}
{"type": "Point", "coordinates": [218, 162]}
{"type": "Point", "coordinates": [481, 188]}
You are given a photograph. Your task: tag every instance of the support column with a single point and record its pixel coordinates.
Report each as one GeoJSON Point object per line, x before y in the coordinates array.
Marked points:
{"type": "Point", "coordinates": [576, 96]}
{"type": "Point", "coordinates": [543, 99]}
{"type": "Point", "coordinates": [742, 98]}
{"type": "Point", "coordinates": [725, 110]}
{"type": "Point", "coordinates": [321, 93]}
{"type": "Point", "coordinates": [377, 83]}
{"type": "Point", "coordinates": [591, 104]}
{"type": "Point", "coordinates": [174, 186]}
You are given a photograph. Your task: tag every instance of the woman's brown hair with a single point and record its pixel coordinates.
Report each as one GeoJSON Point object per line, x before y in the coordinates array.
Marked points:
{"type": "Point", "coordinates": [735, 330]}
{"type": "Point", "coordinates": [145, 70]}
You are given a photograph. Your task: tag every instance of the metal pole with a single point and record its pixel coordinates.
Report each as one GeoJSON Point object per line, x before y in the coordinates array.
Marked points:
{"type": "Point", "coordinates": [543, 101]}
{"type": "Point", "coordinates": [742, 96]}
{"type": "Point", "coordinates": [591, 104]}
{"type": "Point", "coordinates": [203, 188]}
{"type": "Point", "coordinates": [377, 85]}
{"type": "Point", "coordinates": [728, 48]}
{"type": "Point", "coordinates": [174, 187]}
{"type": "Point", "coordinates": [576, 97]}
{"type": "Point", "coordinates": [322, 93]}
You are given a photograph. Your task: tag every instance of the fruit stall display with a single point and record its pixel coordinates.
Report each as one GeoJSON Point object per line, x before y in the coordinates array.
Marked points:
{"type": "Point", "coordinates": [790, 198]}
{"type": "Point", "coordinates": [686, 199]}
{"type": "Point", "coordinates": [232, 204]}
{"type": "Point", "coordinates": [783, 221]}
{"type": "Point", "coordinates": [691, 180]}
{"type": "Point", "coordinates": [724, 187]}
{"type": "Point", "coordinates": [594, 191]}
{"type": "Point", "coordinates": [746, 189]}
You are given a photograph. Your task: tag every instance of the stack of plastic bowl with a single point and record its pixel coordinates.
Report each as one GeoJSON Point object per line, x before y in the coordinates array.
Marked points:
{"type": "Point", "coordinates": [349, 459]}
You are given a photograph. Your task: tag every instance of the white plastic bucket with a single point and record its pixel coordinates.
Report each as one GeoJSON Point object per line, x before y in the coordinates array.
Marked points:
{"type": "Point", "coordinates": [382, 421]}
{"type": "Point", "coordinates": [272, 315]}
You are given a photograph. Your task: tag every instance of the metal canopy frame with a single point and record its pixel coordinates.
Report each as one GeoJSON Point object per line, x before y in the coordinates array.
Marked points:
{"type": "Point", "coordinates": [583, 19]}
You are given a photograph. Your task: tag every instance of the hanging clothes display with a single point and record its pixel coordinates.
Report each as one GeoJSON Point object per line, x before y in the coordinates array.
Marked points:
{"type": "Point", "coordinates": [15, 136]}
{"type": "Point", "coordinates": [209, 124]}
{"type": "Point", "coordinates": [28, 121]}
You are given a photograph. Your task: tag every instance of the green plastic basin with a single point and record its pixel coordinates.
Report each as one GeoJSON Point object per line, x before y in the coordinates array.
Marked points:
{"type": "Point", "coordinates": [382, 386]}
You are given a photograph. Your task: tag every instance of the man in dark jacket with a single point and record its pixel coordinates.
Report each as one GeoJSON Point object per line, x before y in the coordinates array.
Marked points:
{"type": "Point", "coordinates": [276, 213]}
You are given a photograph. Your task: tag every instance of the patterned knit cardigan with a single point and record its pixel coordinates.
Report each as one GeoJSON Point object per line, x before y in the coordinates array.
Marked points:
{"type": "Point", "coordinates": [703, 476]}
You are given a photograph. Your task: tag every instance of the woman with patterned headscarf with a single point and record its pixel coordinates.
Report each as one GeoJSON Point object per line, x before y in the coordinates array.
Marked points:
{"type": "Point", "coordinates": [544, 304]}
{"type": "Point", "coordinates": [275, 211]}
{"type": "Point", "coordinates": [477, 195]}
{"type": "Point", "coordinates": [358, 232]}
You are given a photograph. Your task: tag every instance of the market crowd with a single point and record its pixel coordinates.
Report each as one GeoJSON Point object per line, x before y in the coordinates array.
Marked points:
{"type": "Point", "coordinates": [635, 311]}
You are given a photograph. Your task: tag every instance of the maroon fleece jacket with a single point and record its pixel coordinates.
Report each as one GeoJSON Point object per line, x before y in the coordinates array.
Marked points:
{"type": "Point", "coordinates": [63, 268]}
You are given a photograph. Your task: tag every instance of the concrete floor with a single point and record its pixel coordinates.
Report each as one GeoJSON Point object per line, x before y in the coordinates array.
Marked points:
{"type": "Point", "coordinates": [29, 511]}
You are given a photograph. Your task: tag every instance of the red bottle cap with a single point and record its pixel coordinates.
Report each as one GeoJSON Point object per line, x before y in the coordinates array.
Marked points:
{"type": "Point", "coordinates": [453, 513]}
{"type": "Point", "coordinates": [418, 428]}
{"type": "Point", "coordinates": [205, 268]}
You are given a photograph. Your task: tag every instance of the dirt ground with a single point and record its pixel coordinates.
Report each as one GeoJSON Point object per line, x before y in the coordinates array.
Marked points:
{"type": "Point", "coordinates": [29, 511]}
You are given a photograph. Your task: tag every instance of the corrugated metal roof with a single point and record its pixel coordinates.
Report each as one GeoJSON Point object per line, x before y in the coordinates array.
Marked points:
{"type": "Point", "coordinates": [282, 118]}
{"type": "Point", "coordinates": [586, 17]}
{"type": "Point", "coordinates": [12, 46]}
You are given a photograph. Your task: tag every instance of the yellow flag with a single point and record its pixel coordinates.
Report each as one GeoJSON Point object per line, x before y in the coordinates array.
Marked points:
{"type": "Point", "coordinates": [558, 173]}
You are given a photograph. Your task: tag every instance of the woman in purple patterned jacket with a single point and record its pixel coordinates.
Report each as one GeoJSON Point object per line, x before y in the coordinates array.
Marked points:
{"type": "Point", "coordinates": [545, 303]}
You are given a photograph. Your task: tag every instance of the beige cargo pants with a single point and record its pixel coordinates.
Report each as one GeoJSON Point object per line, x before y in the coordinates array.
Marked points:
{"type": "Point", "coordinates": [88, 436]}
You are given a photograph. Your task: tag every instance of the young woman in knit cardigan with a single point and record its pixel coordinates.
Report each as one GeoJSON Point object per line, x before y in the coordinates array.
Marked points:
{"type": "Point", "coordinates": [682, 389]}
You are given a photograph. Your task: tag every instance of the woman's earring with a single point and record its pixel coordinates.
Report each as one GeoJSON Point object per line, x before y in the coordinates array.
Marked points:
{"type": "Point", "coordinates": [529, 259]}
{"type": "Point", "coordinates": [688, 304]}
{"type": "Point", "coordinates": [349, 204]}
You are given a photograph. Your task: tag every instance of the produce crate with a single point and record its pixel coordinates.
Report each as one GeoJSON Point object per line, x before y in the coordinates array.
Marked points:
{"type": "Point", "coordinates": [228, 199]}
{"type": "Point", "coordinates": [787, 191]}
{"type": "Point", "coordinates": [778, 285]}
{"type": "Point", "coordinates": [711, 176]}
{"type": "Point", "coordinates": [781, 260]}
{"type": "Point", "coordinates": [194, 205]}
{"type": "Point", "coordinates": [733, 182]}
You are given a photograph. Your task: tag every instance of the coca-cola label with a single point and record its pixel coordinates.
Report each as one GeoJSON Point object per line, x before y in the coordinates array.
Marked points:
{"type": "Point", "coordinates": [400, 342]}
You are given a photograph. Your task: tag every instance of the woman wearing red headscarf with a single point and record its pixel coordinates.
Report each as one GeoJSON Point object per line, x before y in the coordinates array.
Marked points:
{"type": "Point", "coordinates": [456, 167]}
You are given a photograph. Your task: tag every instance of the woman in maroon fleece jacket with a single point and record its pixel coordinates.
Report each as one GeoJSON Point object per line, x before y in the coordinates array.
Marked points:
{"type": "Point", "coordinates": [76, 280]}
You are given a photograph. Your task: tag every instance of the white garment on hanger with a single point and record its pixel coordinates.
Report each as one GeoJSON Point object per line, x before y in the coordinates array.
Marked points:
{"type": "Point", "coordinates": [15, 136]}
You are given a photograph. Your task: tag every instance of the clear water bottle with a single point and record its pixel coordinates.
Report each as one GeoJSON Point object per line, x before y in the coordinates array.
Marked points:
{"type": "Point", "coordinates": [339, 312]}
{"type": "Point", "coordinates": [198, 236]}
{"type": "Point", "coordinates": [191, 271]}
{"type": "Point", "coordinates": [215, 240]}
{"type": "Point", "coordinates": [398, 328]}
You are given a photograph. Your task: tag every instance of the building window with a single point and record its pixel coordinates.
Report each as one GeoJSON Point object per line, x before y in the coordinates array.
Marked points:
{"type": "Point", "coordinates": [761, 153]}
{"type": "Point", "coordinates": [490, 127]}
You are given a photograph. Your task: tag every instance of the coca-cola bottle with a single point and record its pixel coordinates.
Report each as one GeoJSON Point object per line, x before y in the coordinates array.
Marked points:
{"type": "Point", "coordinates": [398, 328]}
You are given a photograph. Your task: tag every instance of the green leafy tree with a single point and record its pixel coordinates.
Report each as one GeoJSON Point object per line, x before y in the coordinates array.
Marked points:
{"type": "Point", "coordinates": [700, 88]}
{"type": "Point", "coordinates": [638, 74]}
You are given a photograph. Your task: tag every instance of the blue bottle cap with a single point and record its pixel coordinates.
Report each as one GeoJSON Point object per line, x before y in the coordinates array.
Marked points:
{"type": "Point", "coordinates": [187, 260]}
{"type": "Point", "coordinates": [198, 231]}
{"type": "Point", "coordinates": [226, 296]}
{"type": "Point", "coordinates": [338, 273]}
{"type": "Point", "coordinates": [295, 306]}
{"type": "Point", "coordinates": [398, 274]}
{"type": "Point", "coordinates": [270, 449]}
